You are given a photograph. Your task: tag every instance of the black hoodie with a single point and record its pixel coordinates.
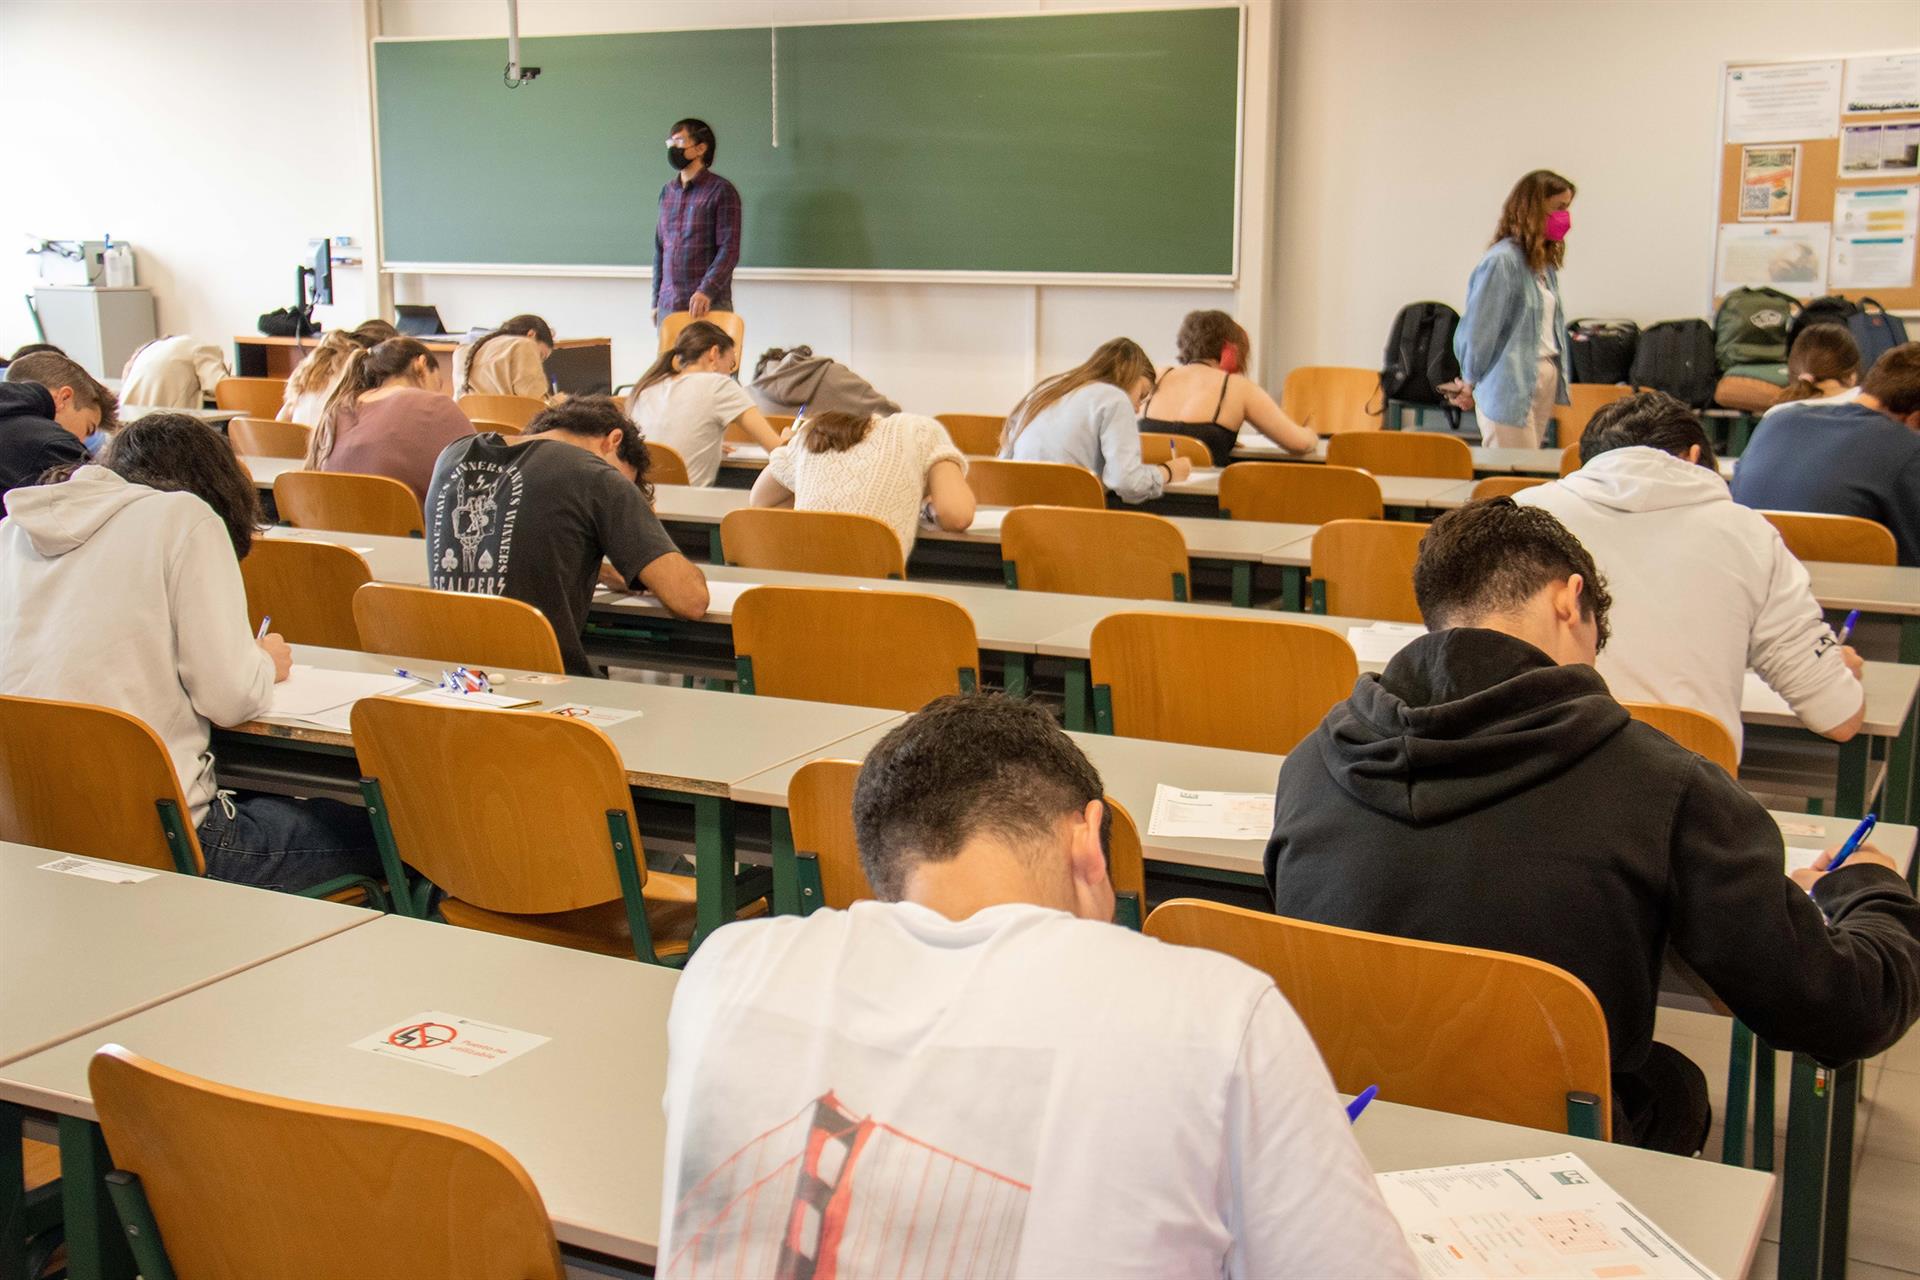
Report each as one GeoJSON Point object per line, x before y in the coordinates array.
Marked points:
{"type": "Point", "coordinates": [1475, 793]}
{"type": "Point", "coordinates": [31, 442]}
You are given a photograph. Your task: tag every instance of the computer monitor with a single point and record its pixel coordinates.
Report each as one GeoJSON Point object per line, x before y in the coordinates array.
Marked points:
{"type": "Point", "coordinates": [417, 321]}
{"type": "Point", "coordinates": [321, 252]}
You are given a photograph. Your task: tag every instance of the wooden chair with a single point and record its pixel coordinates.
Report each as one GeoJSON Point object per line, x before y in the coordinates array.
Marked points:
{"type": "Point", "coordinates": [515, 411]}
{"type": "Point", "coordinates": [780, 422]}
{"type": "Point", "coordinates": [254, 397]}
{"type": "Point", "coordinates": [974, 434]}
{"type": "Point", "coordinates": [665, 465]}
{"type": "Point", "coordinates": [1331, 399]}
{"type": "Point", "coordinates": [820, 809]}
{"type": "Point", "coordinates": [348, 503]}
{"type": "Point", "coordinates": [860, 648]}
{"type": "Point", "coordinates": [229, 1184]}
{"type": "Point", "coordinates": [1504, 486]}
{"type": "Point", "coordinates": [455, 626]}
{"type": "Point", "coordinates": [730, 324]}
{"type": "Point", "coordinates": [811, 542]}
{"type": "Point", "coordinates": [538, 840]}
{"type": "Point", "coordinates": [1000, 482]}
{"type": "Point", "coordinates": [1569, 460]}
{"type": "Point", "coordinates": [1695, 730]}
{"type": "Point", "coordinates": [1404, 453]}
{"type": "Point", "coordinates": [1290, 493]}
{"type": "Point", "coordinates": [483, 425]}
{"type": "Point", "coordinates": [265, 438]}
{"type": "Point", "coordinates": [1163, 446]}
{"type": "Point", "coordinates": [99, 783]}
{"type": "Point", "coordinates": [1125, 554]}
{"type": "Point", "coordinates": [1423, 1020]}
{"type": "Point", "coordinates": [306, 588]}
{"type": "Point", "coordinates": [1144, 687]}
{"type": "Point", "coordinates": [1587, 399]}
{"type": "Point", "coordinates": [1846, 539]}
{"type": "Point", "coordinates": [1364, 569]}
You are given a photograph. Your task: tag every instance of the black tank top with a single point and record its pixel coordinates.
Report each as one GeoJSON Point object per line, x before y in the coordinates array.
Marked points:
{"type": "Point", "coordinates": [1220, 441]}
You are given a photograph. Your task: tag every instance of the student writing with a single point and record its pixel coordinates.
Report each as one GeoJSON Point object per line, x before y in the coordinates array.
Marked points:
{"type": "Point", "coordinates": [1207, 395]}
{"type": "Point", "coordinates": [866, 464]}
{"type": "Point", "coordinates": [1089, 417]}
{"type": "Point", "coordinates": [382, 420]}
{"type": "Point", "coordinates": [688, 398]}
{"type": "Point", "coordinates": [508, 361]}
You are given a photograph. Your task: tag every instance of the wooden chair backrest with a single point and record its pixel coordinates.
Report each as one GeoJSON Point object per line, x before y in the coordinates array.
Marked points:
{"type": "Point", "coordinates": [974, 434]}
{"type": "Point", "coordinates": [1332, 399]}
{"type": "Point", "coordinates": [1693, 729]}
{"type": "Point", "coordinates": [811, 542]}
{"type": "Point", "coordinates": [1290, 493]}
{"type": "Point", "coordinates": [1504, 486]}
{"type": "Point", "coordinates": [1569, 460]}
{"type": "Point", "coordinates": [730, 324]}
{"type": "Point", "coordinates": [778, 421]}
{"type": "Point", "coordinates": [1373, 1006]}
{"type": "Point", "coordinates": [1404, 453]}
{"type": "Point", "coordinates": [306, 588]}
{"type": "Point", "coordinates": [1129, 555]}
{"type": "Point", "coordinates": [1000, 482]}
{"type": "Point", "coordinates": [1126, 860]}
{"type": "Point", "coordinates": [86, 780]}
{"type": "Point", "coordinates": [348, 503]}
{"type": "Point", "coordinates": [265, 438]}
{"type": "Point", "coordinates": [483, 425]}
{"type": "Point", "coordinates": [893, 649]}
{"type": "Point", "coordinates": [1367, 566]}
{"type": "Point", "coordinates": [255, 397]}
{"type": "Point", "coordinates": [236, 1178]}
{"type": "Point", "coordinates": [665, 465]}
{"type": "Point", "coordinates": [515, 411]}
{"type": "Point", "coordinates": [1162, 446]}
{"type": "Point", "coordinates": [1586, 399]}
{"type": "Point", "coordinates": [1846, 539]}
{"type": "Point", "coordinates": [455, 626]}
{"type": "Point", "coordinates": [524, 831]}
{"type": "Point", "coordinates": [1147, 663]}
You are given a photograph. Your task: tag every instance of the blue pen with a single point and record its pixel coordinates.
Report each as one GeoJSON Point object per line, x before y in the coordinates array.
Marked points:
{"type": "Point", "coordinates": [408, 675]}
{"type": "Point", "coordinates": [1360, 1102]}
{"type": "Point", "coordinates": [1854, 841]}
{"type": "Point", "coordinates": [265, 622]}
{"type": "Point", "coordinates": [1846, 628]}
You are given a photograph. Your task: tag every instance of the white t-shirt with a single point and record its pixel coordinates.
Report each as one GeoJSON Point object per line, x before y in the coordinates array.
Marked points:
{"type": "Point", "coordinates": [172, 373]}
{"type": "Point", "coordinates": [689, 413]}
{"type": "Point", "coordinates": [1019, 1093]}
{"type": "Point", "coordinates": [1549, 332]}
{"type": "Point", "coordinates": [884, 476]}
{"type": "Point", "coordinates": [1846, 396]}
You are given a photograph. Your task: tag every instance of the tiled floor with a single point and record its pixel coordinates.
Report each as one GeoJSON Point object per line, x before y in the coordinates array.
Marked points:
{"type": "Point", "coordinates": [1885, 1240]}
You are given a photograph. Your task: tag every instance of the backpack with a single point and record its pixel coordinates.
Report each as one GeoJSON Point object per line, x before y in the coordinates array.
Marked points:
{"type": "Point", "coordinates": [1875, 332]}
{"type": "Point", "coordinates": [1832, 309]}
{"type": "Point", "coordinates": [1419, 359]}
{"type": "Point", "coordinates": [1751, 327]}
{"type": "Point", "coordinates": [1676, 356]}
{"type": "Point", "coordinates": [1751, 388]}
{"type": "Point", "coordinates": [1601, 350]}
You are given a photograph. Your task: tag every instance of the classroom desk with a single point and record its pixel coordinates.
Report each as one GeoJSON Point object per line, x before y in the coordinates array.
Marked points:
{"type": "Point", "coordinates": [579, 366]}
{"type": "Point", "coordinates": [215, 418]}
{"type": "Point", "coordinates": [1891, 591]}
{"type": "Point", "coordinates": [265, 470]}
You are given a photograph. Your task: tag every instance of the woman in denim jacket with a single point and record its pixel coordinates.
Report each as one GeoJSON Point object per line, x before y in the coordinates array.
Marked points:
{"type": "Point", "coordinates": [1512, 341]}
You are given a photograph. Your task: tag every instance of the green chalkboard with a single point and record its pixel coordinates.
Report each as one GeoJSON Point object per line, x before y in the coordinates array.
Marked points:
{"type": "Point", "coordinates": [1093, 143]}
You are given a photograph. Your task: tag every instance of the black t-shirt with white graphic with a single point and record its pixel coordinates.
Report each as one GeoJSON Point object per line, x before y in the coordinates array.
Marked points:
{"type": "Point", "coordinates": [533, 521]}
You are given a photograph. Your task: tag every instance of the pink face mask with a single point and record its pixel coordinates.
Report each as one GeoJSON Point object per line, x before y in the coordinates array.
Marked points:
{"type": "Point", "coordinates": [1559, 221]}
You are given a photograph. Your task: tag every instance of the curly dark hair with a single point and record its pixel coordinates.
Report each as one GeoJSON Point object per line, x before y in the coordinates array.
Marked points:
{"type": "Point", "coordinates": [596, 418]}
{"type": "Point", "coordinates": [1204, 334]}
{"type": "Point", "coordinates": [1650, 418]}
{"type": "Point", "coordinates": [1492, 557]}
{"type": "Point", "coordinates": [178, 454]}
{"type": "Point", "coordinates": [965, 764]}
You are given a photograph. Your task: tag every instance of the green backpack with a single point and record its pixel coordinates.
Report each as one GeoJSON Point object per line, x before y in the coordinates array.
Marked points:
{"type": "Point", "coordinates": [1751, 328]}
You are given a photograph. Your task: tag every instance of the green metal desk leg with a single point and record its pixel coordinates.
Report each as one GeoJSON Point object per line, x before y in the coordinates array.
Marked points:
{"type": "Point", "coordinates": [13, 1195]}
{"type": "Point", "coordinates": [1897, 801]}
{"type": "Point", "coordinates": [1846, 1098]}
{"type": "Point", "coordinates": [95, 1248]}
{"type": "Point", "coordinates": [1078, 674]}
{"type": "Point", "coordinates": [713, 865]}
{"type": "Point", "coordinates": [1293, 581]}
{"type": "Point", "coordinates": [1910, 640]}
{"type": "Point", "coordinates": [1013, 674]}
{"type": "Point", "coordinates": [1850, 784]}
{"type": "Point", "coordinates": [1764, 1057]}
{"type": "Point", "coordinates": [1242, 584]}
{"type": "Point", "coordinates": [715, 554]}
{"type": "Point", "coordinates": [786, 872]}
{"type": "Point", "coordinates": [1805, 1193]}
{"type": "Point", "coordinates": [1733, 1140]}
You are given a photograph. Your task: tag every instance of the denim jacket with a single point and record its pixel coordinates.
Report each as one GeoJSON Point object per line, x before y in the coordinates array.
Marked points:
{"type": "Point", "coordinates": [1498, 341]}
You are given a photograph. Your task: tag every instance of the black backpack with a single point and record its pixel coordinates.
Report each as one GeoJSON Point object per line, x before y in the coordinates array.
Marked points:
{"type": "Point", "coordinates": [1832, 309]}
{"type": "Point", "coordinates": [1875, 332]}
{"type": "Point", "coordinates": [1419, 359]}
{"type": "Point", "coordinates": [1602, 350]}
{"type": "Point", "coordinates": [1676, 356]}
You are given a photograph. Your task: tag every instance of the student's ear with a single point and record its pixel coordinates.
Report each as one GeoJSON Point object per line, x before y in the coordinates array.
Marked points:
{"type": "Point", "coordinates": [610, 444]}
{"type": "Point", "coordinates": [1693, 454]}
{"type": "Point", "coordinates": [1087, 865]}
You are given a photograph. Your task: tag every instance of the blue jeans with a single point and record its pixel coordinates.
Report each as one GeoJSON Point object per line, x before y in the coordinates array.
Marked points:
{"type": "Point", "coordinates": [276, 842]}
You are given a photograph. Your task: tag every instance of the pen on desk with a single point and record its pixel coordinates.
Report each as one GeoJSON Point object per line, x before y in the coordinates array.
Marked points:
{"type": "Point", "coordinates": [1854, 841]}
{"type": "Point", "coordinates": [265, 622]}
{"type": "Point", "coordinates": [1846, 628]}
{"type": "Point", "coordinates": [404, 674]}
{"type": "Point", "coordinates": [1360, 1102]}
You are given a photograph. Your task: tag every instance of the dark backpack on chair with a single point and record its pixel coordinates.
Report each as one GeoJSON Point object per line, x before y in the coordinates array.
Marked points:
{"type": "Point", "coordinates": [1602, 350]}
{"type": "Point", "coordinates": [1419, 359]}
{"type": "Point", "coordinates": [1751, 327]}
{"type": "Point", "coordinates": [1676, 356]}
{"type": "Point", "coordinates": [1832, 309]}
{"type": "Point", "coordinates": [1875, 332]}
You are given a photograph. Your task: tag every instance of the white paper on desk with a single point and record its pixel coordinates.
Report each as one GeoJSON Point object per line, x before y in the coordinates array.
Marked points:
{"type": "Point", "coordinates": [88, 869]}
{"type": "Point", "coordinates": [1800, 857]}
{"type": "Point", "coordinates": [1381, 641]}
{"type": "Point", "coordinates": [498, 701]}
{"type": "Point", "coordinates": [318, 696]}
{"type": "Point", "coordinates": [1211, 815]}
{"type": "Point", "coordinates": [598, 717]}
{"type": "Point", "coordinates": [1757, 695]}
{"type": "Point", "coordinates": [745, 452]}
{"type": "Point", "coordinates": [1546, 1216]}
{"type": "Point", "coordinates": [451, 1043]}
{"type": "Point", "coordinates": [988, 519]}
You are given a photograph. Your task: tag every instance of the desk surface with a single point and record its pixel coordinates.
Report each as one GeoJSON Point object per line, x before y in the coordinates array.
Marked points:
{"type": "Point", "coordinates": [104, 951]}
{"type": "Point", "coordinates": [1871, 588]}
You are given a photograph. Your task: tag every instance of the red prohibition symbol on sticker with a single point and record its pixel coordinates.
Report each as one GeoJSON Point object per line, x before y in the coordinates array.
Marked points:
{"type": "Point", "coordinates": [422, 1035]}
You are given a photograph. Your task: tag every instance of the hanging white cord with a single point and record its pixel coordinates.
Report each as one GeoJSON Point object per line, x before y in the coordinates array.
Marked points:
{"type": "Point", "coordinates": [773, 79]}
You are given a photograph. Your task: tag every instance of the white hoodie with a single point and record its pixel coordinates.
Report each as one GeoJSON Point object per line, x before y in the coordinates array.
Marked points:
{"type": "Point", "coordinates": [126, 597]}
{"type": "Point", "coordinates": [1702, 589]}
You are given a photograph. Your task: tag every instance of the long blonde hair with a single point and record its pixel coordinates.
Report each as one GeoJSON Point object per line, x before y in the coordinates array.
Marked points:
{"type": "Point", "coordinates": [322, 364]}
{"type": "Point", "coordinates": [364, 371]}
{"type": "Point", "coordinates": [1120, 362]}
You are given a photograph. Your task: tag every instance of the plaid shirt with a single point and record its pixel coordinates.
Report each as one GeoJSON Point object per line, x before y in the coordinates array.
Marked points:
{"type": "Point", "coordinates": [696, 243]}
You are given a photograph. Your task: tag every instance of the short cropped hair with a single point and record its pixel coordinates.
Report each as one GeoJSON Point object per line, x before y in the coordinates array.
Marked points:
{"type": "Point", "coordinates": [595, 418]}
{"type": "Point", "coordinates": [1894, 380]}
{"type": "Point", "coordinates": [1652, 419]}
{"type": "Point", "coordinates": [53, 370]}
{"type": "Point", "coordinates": [965, 765]}
{"type": "Point", "coordinates": [699, 131]}
{"type": "Point", "coordinates": [1492, 557]}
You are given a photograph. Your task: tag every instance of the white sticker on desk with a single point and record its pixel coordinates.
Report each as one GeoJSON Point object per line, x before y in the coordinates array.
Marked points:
{"type": "Point", "coordinates": [598, 717]}
{"type": "Point", "coordinates": [448, 1042]}
{"type": "Point", "coordinates": [88, 869]}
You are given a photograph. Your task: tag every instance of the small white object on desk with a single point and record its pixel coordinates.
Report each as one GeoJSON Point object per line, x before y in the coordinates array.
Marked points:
{"type": "Point", "coordinates": [598, 717]}
{"type": "Point", "coordinates": [1381, 641]}
{"type": "Point", "coordinates": [988, 519]}
{"type": "Point", "coordinates": [449, 1042]}
{"type": "Point", "coordinates": [1211, 815]}
{"type": "Point", "coordinates": [87, 868]}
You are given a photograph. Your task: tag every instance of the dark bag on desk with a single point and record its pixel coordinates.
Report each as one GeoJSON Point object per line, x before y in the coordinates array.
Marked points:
{"type": "Point", "coordinates": [1751, 327]}
{"type": "Point", "coordinates": [1601, 351]}
{"type": "Point", "coordinates": [288, 323]}
{"type": "Point", "coordinates": [1875, 332]}
{"type": "Point", "coordinates": [1676, 356]}
{"type": "Point", "coordinates": [1832, 309]}
{"type": "Point", "coordinates": [1419, 359]}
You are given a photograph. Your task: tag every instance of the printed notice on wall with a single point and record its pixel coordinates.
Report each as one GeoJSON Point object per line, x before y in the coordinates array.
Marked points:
{"type": "Point", "coordinates": [1873, 237]}
{"type": "Point", "coordinates": [1768, 188]}
{"type": "Point", "coordinates": [448, 1042]}
{"type": "Point", "coordinates": [1783, 102]}
{"type": "Point", "coordinates": [1879, 85]}
{"type": "Point", "coordinates": [1788, 256]}
{"type": "Point", "coordinates": [1880, 150]}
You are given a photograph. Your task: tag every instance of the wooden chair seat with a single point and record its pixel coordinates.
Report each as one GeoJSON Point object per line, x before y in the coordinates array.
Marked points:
{"type": "Point", "coordinates": [1585, 400]}
{"type": "Point", "coordinates": [811, 542]}
{"type": "Point", "coordinates": [1290, 493]}
{"type": "Point", "coordinates": [1364, 569]}
{"type": "Point", "coordinates": [1128, 555]}
{"type": "Point", "coordinates": [1163, 446]}
{"type": "Point", "coordinates": [730, 324]}
{"type": "Point", "coordinates": [974, 434]}
{"type": "Point", "coordinates": [1001, 482]}
{"type": "Point", "coordinates": [1845, 539]}
{"type": "Point", "coordinates": [1569, 460]}
{"type": "Point", "coordinates": [897, 650]}
{"type": "Point", "coordinates": [1403, 453]}
{"type": "Point", "coordinates": [265, 438]}
{"type": "Point", "coordinates": [1332, 399]}
{"type": "Point", "coordinates": [665, 465]}
{"type": "Point", "coordinates": [347, 503]}
{"type": "Point", "coordinates": [253, 397]}
{"type": "Point", "coordinates": [306, 588]}
{"type": "Point", "coordinates": [1504, 486]}
{"type": "Point", "coordinates": [455, 626]}
{"type": "Point", "coordinates": [602, 929]}
{"type": "Point", "coordinates": [1693, 729]}
{"type": "Point", "coordinates": [515, 411]}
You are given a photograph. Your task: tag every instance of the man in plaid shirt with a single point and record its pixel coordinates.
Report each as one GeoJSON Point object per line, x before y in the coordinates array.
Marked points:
{"type": "Point", "coordinates": [696, 243]}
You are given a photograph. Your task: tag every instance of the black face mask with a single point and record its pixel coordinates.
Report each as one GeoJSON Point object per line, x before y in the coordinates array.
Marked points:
{"type": "Point", "coordinates": [678, 158]}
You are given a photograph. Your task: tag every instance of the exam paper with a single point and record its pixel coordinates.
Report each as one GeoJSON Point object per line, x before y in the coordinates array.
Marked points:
{"type": "Point", "coordinates": [498, 701]}
{"type": "Point", "coordinates": [448, 1042]}
{"type": "Point", "coordinates": [317, 696]}
{"type": "Point", "coordinates": [88, 869]}
{"type": "Point", "coordinates": [1756, 695]}
{"type": "Point", "coordinates": [1546, 1216]}
{"type": "Point", "coordinates": [1380, 641]}
{"type": "Point", "coordinates": [1211, 815]}
{"type": "Point", "coordinates": [987, 519]}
